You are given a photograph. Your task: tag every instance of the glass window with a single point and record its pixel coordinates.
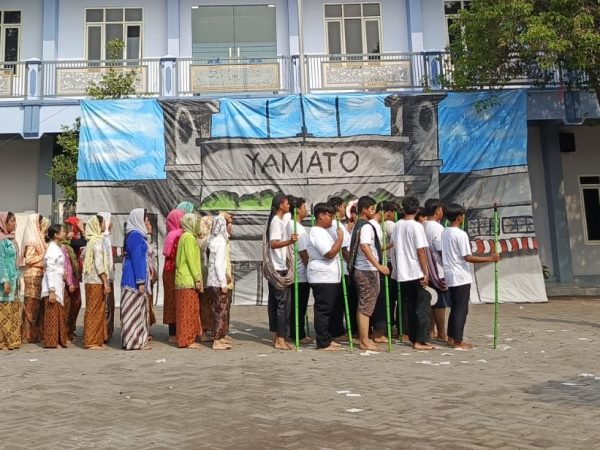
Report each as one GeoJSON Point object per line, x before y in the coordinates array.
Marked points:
{"type": "Point", "coordinates": [124, 24]}
{"type": "Point", "coordinates": [371, 9]}
{"type": "Point", "coordinates": [352, 10]}
{"type": "Point", "coordinates": [333, 11]}
{"type": "Point", "coordinates": [11, 44]}
{"type": "Point", "coordinates": [590, 197]}
{"type": "Point", "coordinates": [10, 29]}
{"type": "Point", "coordinates": [451, 10]}
{"type": "Point", "coordinates": [357, 30]}
{"type": "Point", "coordinates": [372, 35]}
{"type": "Point", "coordinates": [12, 17]}
{"type": "Point", "coordinates": [334, 37]}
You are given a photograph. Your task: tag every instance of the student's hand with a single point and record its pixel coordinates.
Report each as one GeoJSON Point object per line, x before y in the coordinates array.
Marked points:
{"type": "Point", "coordinates": [294, 237]}
{"type": "Point", "coordinates": [199, 286]}
{"type": "Point", "coordinates": [384, 270]}
{"type": "Point", "coordinates": [6, 288]}
{"type": "Point", "coordinates": [106, 288]}
{"type": "Point", "coordinates": [224, 290]}
{"type": "Point", "coordinates": [425, 281]}
{"type": "Point", "coordinates": [71, 289]}
{"type": "Point", "coordinates": [52, 297]}
{"type": "Point", "coordinates": [142, 288]}
{"type": "Point", "coordinates": [494, 257]}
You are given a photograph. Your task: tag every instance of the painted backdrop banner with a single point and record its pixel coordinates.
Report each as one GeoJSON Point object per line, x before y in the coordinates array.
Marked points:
{"type": "Point", "coordinates": [234, 154]}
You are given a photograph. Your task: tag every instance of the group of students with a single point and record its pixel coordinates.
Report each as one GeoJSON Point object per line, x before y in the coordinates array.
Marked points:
{"type": "Point", "coordinates": [359, 253]}
{"type": "Point", "coordinates": [54, 260]}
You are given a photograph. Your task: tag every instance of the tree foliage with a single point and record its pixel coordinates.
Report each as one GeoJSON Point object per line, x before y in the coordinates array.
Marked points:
{"type": "Point", "coordinates": [507, 40]}
{"type": "Point", "coordinates": [117, 82]}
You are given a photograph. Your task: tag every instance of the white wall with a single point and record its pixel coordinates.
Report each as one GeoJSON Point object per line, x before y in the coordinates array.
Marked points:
{"type": "Point", "coordinates": [19, 175]}
{"type": "Point", "coordinates": [71, 26]}
{"type": "Point", "coordinates": [31, 26]}
{"type": "Point", "coordinates": [538, 196]}
{"type": "Point", "coordinates": [185, 22]}
{"type": "Point", "coordinates": [584, 161]}
{"type": "Point", "coordinates": [394, 25]}
{"type": "Point", "coordinates": [434, 28]}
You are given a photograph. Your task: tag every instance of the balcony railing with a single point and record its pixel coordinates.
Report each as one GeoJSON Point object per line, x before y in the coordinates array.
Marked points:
{"type": "Point", "coordinates": [174, 77]}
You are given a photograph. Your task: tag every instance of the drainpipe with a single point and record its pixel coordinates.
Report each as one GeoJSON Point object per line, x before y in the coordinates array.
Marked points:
{"type": "Point", "coordinates": [301, 66]}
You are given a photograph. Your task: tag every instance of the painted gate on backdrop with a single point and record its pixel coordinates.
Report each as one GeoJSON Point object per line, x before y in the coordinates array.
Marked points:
{"type": "Point", "coordinates": [233, 155]}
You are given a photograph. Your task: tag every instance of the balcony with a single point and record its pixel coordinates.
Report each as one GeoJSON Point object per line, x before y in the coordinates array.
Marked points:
{"type": "Point", "coordinates": [187, 77]}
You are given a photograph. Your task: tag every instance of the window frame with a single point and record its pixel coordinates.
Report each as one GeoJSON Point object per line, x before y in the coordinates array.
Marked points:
{"type": "Point", "coordinates": [363, 19]}
{"type": "Point", "coordinates": [582, 205]}
{"type": "Point", "coordinates": [125, 24]}
{"type": "Point", "coordinates": [11, 65]}
{"type": "Point", "coordinates": [452, 16]}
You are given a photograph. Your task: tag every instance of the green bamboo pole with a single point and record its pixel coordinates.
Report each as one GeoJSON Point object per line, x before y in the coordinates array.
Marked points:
{"type": "Point", "coordinates": [496, 296]}
{"type": "Point", "coordinates": [399, 304]}
{"type": "Point", "coordinates": [345, 291]}
{"type": "Point", "coordinates": [296, 296]}
{"type": "Point", "coordinates": [386, 285]}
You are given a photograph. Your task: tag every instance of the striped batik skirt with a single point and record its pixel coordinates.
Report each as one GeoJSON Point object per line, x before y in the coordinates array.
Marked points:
{"type": "Point", "coordinates": [134, 320]}
{"type": "Point", "coordinates": [10, 325]}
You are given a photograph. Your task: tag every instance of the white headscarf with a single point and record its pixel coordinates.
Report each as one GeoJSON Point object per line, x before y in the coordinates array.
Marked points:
{"type": "Point", "coordinates": [136, 221]}
{"type": "Point", "coordinates": [218, 231]}
{"type": "Point", "coordinates": [107, 243]}
{"type": "Point", "coordinates": [33, 235]}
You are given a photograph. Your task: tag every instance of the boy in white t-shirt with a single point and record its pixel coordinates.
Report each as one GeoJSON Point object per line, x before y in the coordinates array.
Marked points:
{"type": "Point", "coordinates": [298, 205]}
{"type": "Point", "coordinates": [337, 319]}
{"type": "Point", "coordinates": [279, 295]}
{"type": "Point", "coordinates": [324, 273]}
{"type": "Point", "coordinates": [433, 232]}
{"type": "Point", "coordinates": [410, 245]}
{"type": "Point", "coordinates": [456, 251]}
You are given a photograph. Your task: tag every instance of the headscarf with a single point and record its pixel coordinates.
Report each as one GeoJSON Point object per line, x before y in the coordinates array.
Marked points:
{"type": "Point", "coordinates": [34, 235]}
{"type": "Point", "coordinates": [219, 230]}
{"type": "Point", "coordinates": [94, 234]}
{"type": "Point", "coordinates": [4, 234]}
{"type": "Point", "coordinates": [174, 230]}
{"type": "Point", "coordinates": [191, 224]}
{"type": "Point", "coordinates": [106, 242]}
{"type": "Point", "coordinates": [186, 207]}
{"type": "Point", "coordinates": [136, 222]}
{"type": "Point", "coordinates": [206, 224]}
{"type": "Point", "coordinates": [74, 222]}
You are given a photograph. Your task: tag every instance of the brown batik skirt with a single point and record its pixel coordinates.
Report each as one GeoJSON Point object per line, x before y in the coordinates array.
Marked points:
{"type": "Point", "coordinates": [169, 313]}
{"type": "Point", "coordinates": [55, 324]}
{"type": "Point", "coordinates": [220, 311]}
{"type": "Point", "coordinates": [188, 316]}
{"type": "Point", "coordinates": [10, 325]}
{"type": "Point", "coordinates": [33, 316]}
{"type": "Point", "coordinates": [95, 331]}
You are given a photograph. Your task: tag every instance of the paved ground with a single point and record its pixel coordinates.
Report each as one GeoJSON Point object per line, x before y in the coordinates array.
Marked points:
{"type": "Point", "coordinates": [540, 389]}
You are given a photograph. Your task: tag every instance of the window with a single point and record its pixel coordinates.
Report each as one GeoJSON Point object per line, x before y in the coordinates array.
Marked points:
{"type": "Point", "coordinates": [518, 225]}
{"type": "Point", "coordinates": [483, 226]}
{"type": "Point", "coordinates": [105, 24]}
{"type": "Point", "coordinates": [10, 29]}
{"type": "Point", "coordinates": [590, 204]}
{"type": "Point", "coordinates": [451, 11]}
{"type": "Point", "coordinates": [353, 28]}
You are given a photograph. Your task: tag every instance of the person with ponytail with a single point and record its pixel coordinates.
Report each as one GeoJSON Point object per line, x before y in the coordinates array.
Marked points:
{"type": "Point", "coordinates": [278, 270]}
{"type": "Point", "coordinates": [96, 268]}
{"type": "Point", "coordinates": [135, 283]}
{"type": "Point", "coordinates": [34, 249]}
{"type": "Point", "coordinates": [53, 292]}
{"type": "Point", "coordinates": [10, 308]}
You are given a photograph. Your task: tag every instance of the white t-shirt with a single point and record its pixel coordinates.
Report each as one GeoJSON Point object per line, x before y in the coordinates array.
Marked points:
{"type": "Point", "coordinates": [409, 235]}
{"type": "Point", "coordinates": [433, 233]}
{"type": "Point", "coordinates": [455, 246]}
{"type": "Point", "coordinates": [367, 236]}
{"type": "Point", "coordinates": [321, 269]}
{"type": "Point", "coordinates": [345, 241]}
{"type": "Point", "coordinates": [277, 233]}
{"type": "Point", "coordinates": [302, 243]}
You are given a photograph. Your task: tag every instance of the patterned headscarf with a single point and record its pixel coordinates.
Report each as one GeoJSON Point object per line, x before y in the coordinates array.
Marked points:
{"type": "Point", "coordinates": [191, 224]}
{"type": "Point", "coordinates": [107, 243]}
{"type": "Point", "coordinates": [219, 230]}
{"type": "Point", "coordinates": [136, 221]}
{"type": "Point", "coordinates": [174, 230]}
{"type": "Point", "coordinates": [4, 234]}
{"type": "Point", "coordinates": [206, 224]}
{"type": "Point", "coordinates": [34, 234]}
{"type": "Point", "coordinates": [186, 207]}
{"type": "Point", "coordinates": [93, 234]}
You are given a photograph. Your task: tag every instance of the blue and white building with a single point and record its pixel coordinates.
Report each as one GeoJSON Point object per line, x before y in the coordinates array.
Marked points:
{"type": "Point", "coordinates": [51, 49]}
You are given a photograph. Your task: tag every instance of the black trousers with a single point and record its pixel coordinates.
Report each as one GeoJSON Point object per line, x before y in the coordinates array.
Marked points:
{"type": "Point", "coordinates": [326, 296]}
{"type": "Point", "coordinates": [379, 318]}
{"type": "Point", "coordinates": [352, 303]}
{"type": "Point", "coordinates": [336, 325]}
{"type": "Point", "coordinates": [280, 303]}
{"type": "Point", "coordinates": [418, 310]}
{"type": "Point", "coordinates": [303, 294]}
{"type": "Point", "coordinates": [459, 304]}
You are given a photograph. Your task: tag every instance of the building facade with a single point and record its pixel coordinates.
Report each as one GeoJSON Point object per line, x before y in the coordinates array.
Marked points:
{"type": "Point", "coordinates": [50, 50]}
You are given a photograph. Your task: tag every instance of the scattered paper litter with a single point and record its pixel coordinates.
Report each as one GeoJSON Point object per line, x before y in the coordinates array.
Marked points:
{"type": "Point", "coordinates": [232, 332]}
{"type": "Point", "coordinates": [369, 353]}
{"type": "Point", "coordinates": [342, 392]}
{"type": "Point", "coordinates": [543, 351]}
{"type": "Point", "coordinates": [353, 395]}
{"type": "Point", "coordinates": [404, 354]}
{"type": "Point", "coordinates": [447, 354]}
{"type": "Point", "coordinates": [596, 378]}
{"type": "Point", "coordinates": [564, 330]}
{"type": "Point", "coordinates": [33, 360]}
{"type": "Point", "coordinates": [489, 336]}
{"type": "Point", "coordinates": [521, 307]}
{"type": "Point", "coordinates": [161, 360]}
{"type": "Point", "coordinates": [249, 329]}
{"type": "Point", "coordinates": [354, 410]}
{"type": "Point", "coordinates": [550, 331]}
{"type": "Point", "coordinates": [508, 339]}
{"type": "Point", "coordinates": [569, 384]}
{"type": "Point", "coordinates": [427, 363]}
{"type": "Point", "coordinates": [583, 339]}
{"type": "Point", "coordinates": [127, 397]}
{"type": "Point", "coordinates": [261, 354]}
{"type": "Point", "coordinates": [482, 361]}
{"type": "Point", "coordinates": [171, 387]}
{"type": "Point", "coordinates": [444, 363]}
{"type": "Point", "coordinates": [587, 375]}
{"type": "Point", "coordinates": [504, 347]}
{"type": "Point", "coordinates": [464, 362]}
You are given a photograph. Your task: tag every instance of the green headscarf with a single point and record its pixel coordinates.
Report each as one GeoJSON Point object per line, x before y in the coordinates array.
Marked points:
{"type": "Point", "coordinates": [191, 224]}
{"type": "Point", "coordinates": [187, 207]}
